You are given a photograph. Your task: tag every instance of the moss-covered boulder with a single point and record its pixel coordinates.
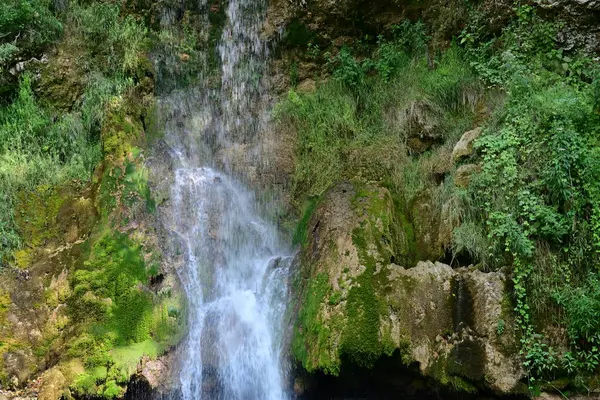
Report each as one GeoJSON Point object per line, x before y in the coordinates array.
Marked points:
{"type": "Point", "coordinates": [357, 303]}
{"type": "Point", "coordinates": [352, 235]}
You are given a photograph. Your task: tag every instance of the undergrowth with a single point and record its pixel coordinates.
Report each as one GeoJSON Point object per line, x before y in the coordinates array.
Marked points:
{"type": "Point", "coordinates": [533, 210]}
{"type": "Point", "coordinates": [38, 146]}
{"type": "Point", "coordinates": [360, 123]}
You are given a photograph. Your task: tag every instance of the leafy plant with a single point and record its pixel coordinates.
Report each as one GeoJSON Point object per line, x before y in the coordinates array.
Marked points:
{"type": "Point", "coordinates": [26, 25]}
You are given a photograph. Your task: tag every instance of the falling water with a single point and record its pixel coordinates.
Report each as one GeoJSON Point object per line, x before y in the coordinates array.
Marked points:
{"type": "Point", "coordinates": [236, 286]}
{"type": "Point", "coordinates": [235, 270]}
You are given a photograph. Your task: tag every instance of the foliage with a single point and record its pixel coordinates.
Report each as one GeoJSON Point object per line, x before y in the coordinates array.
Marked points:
{"type": "Point", "coordinates": [390, 56]}
{"type": "Point", "coordinates": [34, 151]}
{"type": "Point", "coordinates": [582, 305]}
{"type": "Point", "coordinates": [538, 189]}
{"type": "Point", "coordinates": [26, 25]}
{"type": "Point", "coordinates": [357, 124]}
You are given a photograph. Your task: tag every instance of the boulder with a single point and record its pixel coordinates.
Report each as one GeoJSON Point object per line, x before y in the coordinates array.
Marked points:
{"type": "Point", "coordinates": [464, 173]}
{"type": "Point", "coordinates": [358, 303]}
{"type": "Point", "coordinates": [464, 147]}
{"type": "Point", "coordinates": [52, 385]}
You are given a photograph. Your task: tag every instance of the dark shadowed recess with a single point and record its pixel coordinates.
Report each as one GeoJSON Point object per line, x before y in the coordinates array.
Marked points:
{"type": "Point", "coordinates": [389, 379]}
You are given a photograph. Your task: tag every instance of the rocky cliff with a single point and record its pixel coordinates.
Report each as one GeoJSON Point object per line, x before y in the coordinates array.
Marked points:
{"type": "Point", "coordinates": [359, 303]}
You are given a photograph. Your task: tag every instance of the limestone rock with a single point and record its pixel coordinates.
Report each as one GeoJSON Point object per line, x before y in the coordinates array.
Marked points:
{"type": "Point", "coordinates": [154, 371]}
{"type": "Point", "coordinates": [464, 147]}
{"type": "Point", "coordinates": [357, 302]}
{"type": "Point", "coordinates": [53, 384]}
{"type": "Point", "coordinates": [352, 235]}
{"type": "Point", "coordinates": [425, 216]}
{"type": "Point", "coordinates": [463, 174]}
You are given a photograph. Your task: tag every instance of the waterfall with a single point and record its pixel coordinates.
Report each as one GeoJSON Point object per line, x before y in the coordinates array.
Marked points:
{"type": "Point", "coordinates": [235, 268]}
{"type": "Point", "coordinates": [236, 287]}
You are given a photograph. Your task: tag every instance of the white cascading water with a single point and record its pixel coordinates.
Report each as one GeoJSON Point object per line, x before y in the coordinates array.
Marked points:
{"type": "Point", "coordinates": [236, 269]}
{"type": "Point", "coordinates": [236, 286]}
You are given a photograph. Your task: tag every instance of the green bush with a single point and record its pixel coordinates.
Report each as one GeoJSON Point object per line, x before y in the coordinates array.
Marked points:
{"type": "Point", "coordinates": [26, 25]}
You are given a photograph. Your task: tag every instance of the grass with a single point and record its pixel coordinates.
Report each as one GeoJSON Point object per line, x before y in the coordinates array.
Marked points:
{"type": "Point", "coordinates": [34, 152]}
{"type": "Point", "coordinates": [361, 130]}
{"type": "Point", "coordinates": [39, 147]}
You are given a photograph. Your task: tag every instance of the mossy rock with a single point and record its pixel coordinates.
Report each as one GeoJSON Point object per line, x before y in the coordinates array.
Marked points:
{"type": "Point", "coordinates": [358, 303]}
{"type": "Point", "coordinates": [348, 237]}
{"type": "Point", "coordinates": [426, 221]}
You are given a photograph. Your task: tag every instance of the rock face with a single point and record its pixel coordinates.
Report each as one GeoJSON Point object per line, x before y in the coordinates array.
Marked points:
{"type": "Point", "coordinates": [464, 147]}
{"type": "Point", "coordinates": [464, 173]}
{"type": "Point", "coordinates": [358, 303]}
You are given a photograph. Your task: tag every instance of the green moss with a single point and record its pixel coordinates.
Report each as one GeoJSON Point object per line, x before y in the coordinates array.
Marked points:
{"type": "Point", "coordinates": [23, 258]}
{"type": "Point", "coordinates": [440, 372]}
{"type": "Point", "coordinates": [85, 384]}
{"type": "Point", "coordinates": [113, 271]}
{"type": "Point", "coordinates": [361, 342]}
{"type": "Point", "coordinates": [36, 217]}
{"type": "Point", "coordinates": [122, 129]}
{"type": "Point", "coordinates": [5, 303]}
{"type": "Point", "coordinates": [125, 186]}
{"type": "Point", "coordinates": [301, 234]}
{"type": "Point", "coordinates": [311, 344]}
{"type": "Point", "coordinates": [126, 358]}
{"type": "Point", "coordinates": [154, 127]}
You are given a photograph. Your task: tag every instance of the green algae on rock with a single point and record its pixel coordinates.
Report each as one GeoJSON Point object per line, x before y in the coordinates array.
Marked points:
{"type": "Point", "coordinates": [433, 315]}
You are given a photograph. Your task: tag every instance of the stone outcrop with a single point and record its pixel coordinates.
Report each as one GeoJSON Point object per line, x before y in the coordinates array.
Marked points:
{"type": "Point", "coordinates": [464, 173]}
{"type": "Point", "coordinates": [359, 303]}
{"type": "Point", "coordinates": [464, 147]}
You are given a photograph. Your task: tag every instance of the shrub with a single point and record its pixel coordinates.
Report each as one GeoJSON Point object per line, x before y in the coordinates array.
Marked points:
{"type": "Point", "coordinates": [26, 25]}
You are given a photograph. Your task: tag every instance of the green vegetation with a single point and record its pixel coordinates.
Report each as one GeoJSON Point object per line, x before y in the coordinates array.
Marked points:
{"type": "Point", "coordinates": [392, 113]}
{"type": "Point", "coordinates": [72, 178]}
{"type": "Point", "coordinates": [38, 146]}
{"type": "Point", "coordinates": [538, 191]}
{"type": "Point", "coordinates": [361, 126]}
{"type": "Point", "coordinates": [121, 320]}
{"type": "Point", "coordinates": [26, 26]}
{"type": "Point", "coordinates": [311, 329]}
{"type": "Point", "coordinates": [35, 151]}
